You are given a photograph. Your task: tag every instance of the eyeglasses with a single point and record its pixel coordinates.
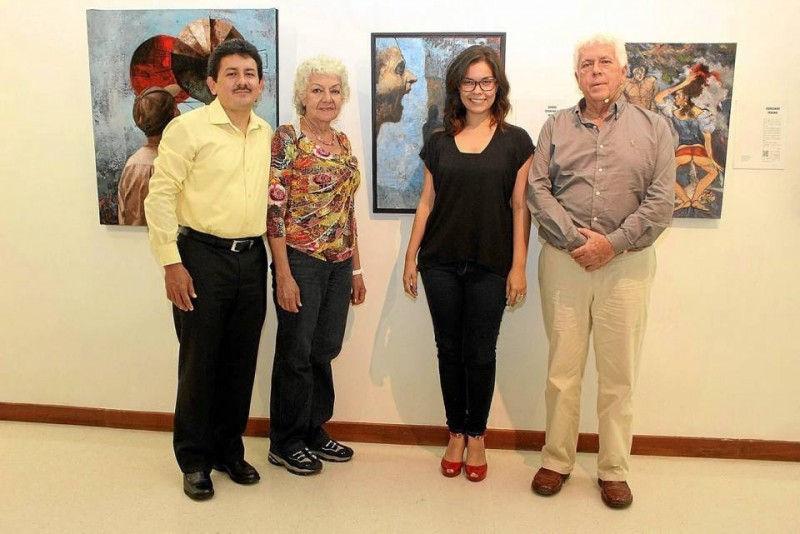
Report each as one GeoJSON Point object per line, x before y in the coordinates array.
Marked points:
{"type": "Point", "coordinates": [487, 84]}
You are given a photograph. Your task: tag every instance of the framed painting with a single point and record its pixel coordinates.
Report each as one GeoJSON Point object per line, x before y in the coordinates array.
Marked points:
{"type": "Point", "coordinates": [145, 66]}
{"type": "Point", "coordinates": [408, 75]}
{"type": "Point", "coordinates": [691, 85]}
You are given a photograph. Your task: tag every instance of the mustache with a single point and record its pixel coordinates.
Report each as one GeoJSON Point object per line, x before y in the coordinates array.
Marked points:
{"type": "Point", "coordinates": [242, 88]}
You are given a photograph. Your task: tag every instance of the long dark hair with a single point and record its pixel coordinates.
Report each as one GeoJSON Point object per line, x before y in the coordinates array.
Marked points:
{"type": "Point", "coordinates": [454, 111]}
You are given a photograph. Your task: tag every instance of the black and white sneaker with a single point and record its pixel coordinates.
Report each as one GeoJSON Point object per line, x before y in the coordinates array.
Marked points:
{"type": "Point", "coordinates": [332, 451]}
{"type": "Point", "coordinates": [299, 462]}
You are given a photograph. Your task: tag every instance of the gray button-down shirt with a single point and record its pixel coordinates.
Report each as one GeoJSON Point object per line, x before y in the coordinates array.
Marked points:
{"type": "Point", "coordinates": [618, 180]}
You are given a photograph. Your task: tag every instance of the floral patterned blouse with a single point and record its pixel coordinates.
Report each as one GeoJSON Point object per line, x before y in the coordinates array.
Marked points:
{"type": "Point", "coordinates": [311, 195]}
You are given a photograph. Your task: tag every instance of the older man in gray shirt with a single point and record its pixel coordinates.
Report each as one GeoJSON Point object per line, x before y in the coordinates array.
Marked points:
{"type": "Point", "coordinates": [602, 189]}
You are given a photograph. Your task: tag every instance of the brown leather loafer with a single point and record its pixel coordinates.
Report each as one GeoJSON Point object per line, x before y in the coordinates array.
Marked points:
{"type": "Point", "coordinates": [547, 482]}
{"type": "Point", "coordinates": [615, 494]}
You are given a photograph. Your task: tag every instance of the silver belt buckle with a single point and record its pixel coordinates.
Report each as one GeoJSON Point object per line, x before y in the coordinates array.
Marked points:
{"type": "Point", "coordinates": [235, 245]}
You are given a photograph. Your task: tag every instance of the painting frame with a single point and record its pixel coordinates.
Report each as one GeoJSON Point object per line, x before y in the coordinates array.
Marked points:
{"type": "Point", "coordinates": [408, 70]}
{"type": "Point", "coordinates": [132, 52]}
{"type": "Point", "coordinates": [691, 86]}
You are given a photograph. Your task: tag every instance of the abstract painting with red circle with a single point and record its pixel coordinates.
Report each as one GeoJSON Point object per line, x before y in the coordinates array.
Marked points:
{"type": "Point", "coordinates": [163, 52]}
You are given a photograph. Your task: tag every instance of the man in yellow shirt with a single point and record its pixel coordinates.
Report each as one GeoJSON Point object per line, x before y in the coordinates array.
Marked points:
{"type": "Point", "coordinates": [206, 212]}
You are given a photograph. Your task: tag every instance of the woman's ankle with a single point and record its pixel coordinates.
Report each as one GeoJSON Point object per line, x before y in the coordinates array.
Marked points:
{"type": "Point", "coordinates": [476, 450]}
{"type": "Point", "coordinates": [455, 447]}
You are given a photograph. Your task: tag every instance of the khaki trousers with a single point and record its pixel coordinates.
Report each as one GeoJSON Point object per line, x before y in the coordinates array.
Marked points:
{"type": "Point", "coordinates": [611, 304]}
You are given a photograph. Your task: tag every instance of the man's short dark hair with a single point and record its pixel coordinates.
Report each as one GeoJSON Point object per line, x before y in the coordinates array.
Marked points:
{"type": "Point", "coordinates": [238, 47]}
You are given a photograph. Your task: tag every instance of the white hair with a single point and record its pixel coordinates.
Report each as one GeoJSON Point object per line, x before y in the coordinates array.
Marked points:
{"type": "Point", "coordinates": [318, 65]}
{"type": "Point", "coordinates": [602, 39]}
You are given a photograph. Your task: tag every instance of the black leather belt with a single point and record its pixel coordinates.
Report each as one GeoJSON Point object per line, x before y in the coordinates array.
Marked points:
{"type": "Point", "coordinates": [234, 245]}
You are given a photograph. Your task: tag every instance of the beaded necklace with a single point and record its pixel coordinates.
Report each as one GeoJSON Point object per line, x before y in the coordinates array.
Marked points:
{"type": "Point", "coordinates": [318, 136]}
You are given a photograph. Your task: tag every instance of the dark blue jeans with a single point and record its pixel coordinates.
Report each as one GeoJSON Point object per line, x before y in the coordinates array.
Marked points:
{"type": "Point", "coordinates": [307, 342]}
{"type": "Point", "coordinates": [218, 351]}
{"type": "Point", "coordinates": [466, 303]}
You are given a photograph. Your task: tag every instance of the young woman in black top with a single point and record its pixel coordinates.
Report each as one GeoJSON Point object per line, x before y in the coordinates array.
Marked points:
{"type": "Point", "coordinates": [469, 242]}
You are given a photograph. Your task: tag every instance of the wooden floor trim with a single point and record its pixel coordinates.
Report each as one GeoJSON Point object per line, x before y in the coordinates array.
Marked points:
{"type": "Point", "coordinates": [740, 449]}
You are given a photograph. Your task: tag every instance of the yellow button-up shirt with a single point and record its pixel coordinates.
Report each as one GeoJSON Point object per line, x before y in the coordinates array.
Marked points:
{"type": "Point", "coordinates": [208, 176]}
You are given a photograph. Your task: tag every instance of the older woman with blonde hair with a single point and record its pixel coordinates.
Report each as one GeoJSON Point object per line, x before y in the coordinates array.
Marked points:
{"type": "Point", "coordinates": [316, 271]}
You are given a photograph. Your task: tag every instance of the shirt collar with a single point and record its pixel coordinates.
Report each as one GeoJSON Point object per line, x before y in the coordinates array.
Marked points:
{"type": "Point", "coordinates": [613, 112]}
{"type": "Point", "coordinates": [217, 115]}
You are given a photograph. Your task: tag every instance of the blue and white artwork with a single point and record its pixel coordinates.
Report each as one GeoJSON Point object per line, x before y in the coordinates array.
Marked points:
{"type": "Point", "coordinates": [408, 105]}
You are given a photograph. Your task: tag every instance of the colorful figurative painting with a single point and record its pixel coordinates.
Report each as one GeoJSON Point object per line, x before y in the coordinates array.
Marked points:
{"type": "Point", "coordinates": [408, 71]}
{"type": "Point", "coordinates": [146, 66]}
{"type": "Point", "coordinates": [692, 86]}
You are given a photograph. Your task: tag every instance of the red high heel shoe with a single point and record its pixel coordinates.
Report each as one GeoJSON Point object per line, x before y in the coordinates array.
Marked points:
{"type": "Point", "coordinates": [452, 469]}
{"type": "Point", "coordinates": [476, 473]}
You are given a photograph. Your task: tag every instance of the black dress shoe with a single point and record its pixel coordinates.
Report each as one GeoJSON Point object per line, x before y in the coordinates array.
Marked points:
{"type": "Point", "coordinates": [197, 486]}
{"type": "Point", "coordinates": [240, 471]}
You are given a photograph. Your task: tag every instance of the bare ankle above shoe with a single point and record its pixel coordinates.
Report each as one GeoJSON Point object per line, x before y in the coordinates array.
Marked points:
{"type": "Point", "coordinates": [455, 447]}
{"type": "Point", "coordinates": [476, 450]}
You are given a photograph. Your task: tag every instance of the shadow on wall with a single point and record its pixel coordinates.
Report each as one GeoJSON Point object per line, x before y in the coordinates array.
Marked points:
{"type": "Point", "coordinates": [522, 357]}
{"type": "Point", "coordinates": [259, 403]}
{"type": "Point", "coordinates": [410, 374]}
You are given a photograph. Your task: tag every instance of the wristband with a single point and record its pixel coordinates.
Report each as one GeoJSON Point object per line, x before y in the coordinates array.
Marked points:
{"type": "Point", "coordinates": [357, 272]}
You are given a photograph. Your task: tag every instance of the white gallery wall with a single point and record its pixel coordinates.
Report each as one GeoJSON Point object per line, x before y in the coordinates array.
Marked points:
{"type": "Point", "coordinates": [83, 317]}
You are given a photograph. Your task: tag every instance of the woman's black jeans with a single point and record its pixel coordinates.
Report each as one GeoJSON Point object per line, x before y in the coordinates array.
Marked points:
{"type": "Point", "coordinates": [302, 380]}
{"type": "Point", "coordinates": [466, 303]}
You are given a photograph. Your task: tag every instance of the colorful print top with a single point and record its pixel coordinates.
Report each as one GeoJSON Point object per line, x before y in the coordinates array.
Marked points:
{"type": "Point", "coordinates": [311, 195]}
